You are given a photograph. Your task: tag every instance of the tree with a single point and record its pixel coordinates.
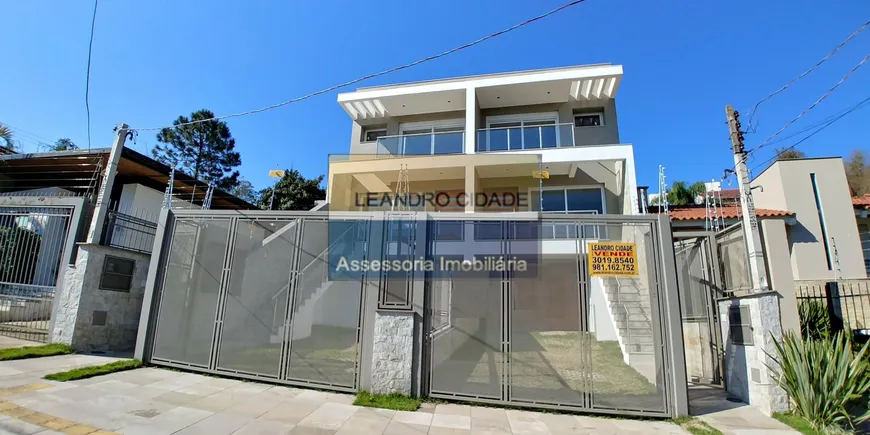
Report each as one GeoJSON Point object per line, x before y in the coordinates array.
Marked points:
{"type": "Point", "coordinates": [681, 193]}
{"type": "Point", "coordinates": [204, 150]}
{"type": "Point", "coordinates": [785, 153]}
{"type": "Point", "coordinates": [245, 190]}
{"type": "Point", "coordinates": [856, 174]}
{"type": "Point", "coordinates": [6, 135]}
{"type": "Point", "coordinates": [294, 192]}
{"type": "Point", "coordinates": [64, 144]}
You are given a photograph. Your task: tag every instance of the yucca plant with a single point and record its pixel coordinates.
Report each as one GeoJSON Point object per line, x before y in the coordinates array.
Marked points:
{"type": "Point", "coordinates": [827, 383]}
{"type": "Point", "coordinates": [814, 319]}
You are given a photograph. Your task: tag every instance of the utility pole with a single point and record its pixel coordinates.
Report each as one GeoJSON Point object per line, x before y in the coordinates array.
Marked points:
{"type": "Point", "coordinates": [750, 222]}
{"type": "Point", "coordinates": [101, 208]}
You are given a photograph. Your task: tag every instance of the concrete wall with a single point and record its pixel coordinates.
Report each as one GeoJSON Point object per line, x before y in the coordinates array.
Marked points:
{"type": "Point", "coordinates": [747, 375]}
{"type": "Point", "coordinates": [81, 299]}
{"type": "Point", "coordinates": [786, 185]}
{"type": "Point", "coordinates": [774, 237]}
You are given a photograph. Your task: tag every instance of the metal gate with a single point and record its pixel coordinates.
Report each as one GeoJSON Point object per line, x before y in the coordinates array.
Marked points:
{"type": "Point", "coordinates": [250, 297]}
{"type": "Point", "coordinates": [32, 243]}
{"type": "Point", "coordinates": [700, 285]}
{"type": "Point", "coordinates": [559, 338]}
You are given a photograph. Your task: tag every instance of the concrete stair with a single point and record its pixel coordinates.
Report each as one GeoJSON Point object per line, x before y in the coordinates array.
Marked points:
{"type": "Point", "coordinates": [632, 313]}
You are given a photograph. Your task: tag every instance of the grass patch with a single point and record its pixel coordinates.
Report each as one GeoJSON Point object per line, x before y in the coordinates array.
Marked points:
{"type": "Point", "coordinates": [797, 423]}
{"type": "Point", "coordinates": [695, 426]}
{"type": "Point", "coordinates": [394, 401]}
{"type": "Point", "coordinates": [89, 372]}
{"type": "Point", "coordinates": [34, 351]}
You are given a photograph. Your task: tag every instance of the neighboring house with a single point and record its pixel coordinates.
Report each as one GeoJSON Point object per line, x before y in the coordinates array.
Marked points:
{"type": "Point", "coordinates": [66, 233]}
{"type": "Point", "coordinates": [812, 232]}
{"type": "Point", "coordinates": [823, 242]}
{"type": "Point", "coordinates": [861, 204]}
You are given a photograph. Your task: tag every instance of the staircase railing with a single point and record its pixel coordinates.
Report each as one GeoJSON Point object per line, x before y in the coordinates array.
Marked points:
{"type": "Point", "coordinates": [323, 275]}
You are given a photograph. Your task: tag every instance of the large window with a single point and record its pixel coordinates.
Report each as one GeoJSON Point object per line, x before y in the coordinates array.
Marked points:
{"type": "Point", "coordinates": [429, 138]}
{"type": "Point", "coordinates": [517, 132]}
{"type": "Point", "coordinates": [572, 200]}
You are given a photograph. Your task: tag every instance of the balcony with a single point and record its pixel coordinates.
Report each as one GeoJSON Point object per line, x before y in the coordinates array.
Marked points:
{"type": "Point", "coordinates": [526, 136]}
{"type": "Point", "coordinates": [422, 144]}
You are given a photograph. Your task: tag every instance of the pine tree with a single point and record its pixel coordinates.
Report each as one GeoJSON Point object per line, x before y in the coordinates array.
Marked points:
{"type": "Point", "coordinates": [204, 150]}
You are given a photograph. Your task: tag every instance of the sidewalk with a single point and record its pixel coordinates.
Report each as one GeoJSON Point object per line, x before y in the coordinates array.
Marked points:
{"type": "Point", "coordinates": [710, 404]}
{"type": "Point", "coordinates": [157, 401]}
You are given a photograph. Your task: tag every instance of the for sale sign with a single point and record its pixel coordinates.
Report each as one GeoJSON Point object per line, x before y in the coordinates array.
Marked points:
{"type": "Point", "coordinates": [612, 259]}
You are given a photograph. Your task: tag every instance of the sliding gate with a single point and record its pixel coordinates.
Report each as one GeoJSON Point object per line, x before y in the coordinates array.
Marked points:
{"type": "Point", "coordinates": [565, 336]}
{"type": "Point", "coordinates": [250, 297]}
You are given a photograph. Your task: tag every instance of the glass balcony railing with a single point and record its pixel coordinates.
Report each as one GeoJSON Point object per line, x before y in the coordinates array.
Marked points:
{"type": "Point", "coordinates": [526, 137]}
{"type": "Point", "coordinates": [423, 144]}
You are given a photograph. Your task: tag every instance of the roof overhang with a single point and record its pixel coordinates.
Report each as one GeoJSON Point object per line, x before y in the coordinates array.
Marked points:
{"type": "Point", "coordinates": [582, 83]}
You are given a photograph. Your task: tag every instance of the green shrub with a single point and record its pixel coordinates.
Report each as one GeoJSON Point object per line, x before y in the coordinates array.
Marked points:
{"type": "Point", "coordinates": [815, 322]}
{"type": "Point", "coordinates": [827, 383]}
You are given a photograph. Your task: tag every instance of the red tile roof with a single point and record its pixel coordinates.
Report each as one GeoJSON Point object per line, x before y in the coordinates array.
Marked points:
{"type": "Point", "coordinates": [727, 193]}
{"type": "Point", "coordinates": [728, 212]}
{"type": "Point", "coordinates": [862, 202]}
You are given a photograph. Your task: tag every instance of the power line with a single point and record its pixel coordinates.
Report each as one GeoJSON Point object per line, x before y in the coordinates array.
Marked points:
{"type": "Point", "coordinates": [371, 76]}
{"type": "Point", "coordinates": [34, 135]}
{"type": "Point", "coordinates": [852, 109]}
{"type": "Point", "coordinates": [88, 77]}
{"type": "Point", "coordinates": [831, 54]}
{"type": "Point", "coordinates": [808, 109]}
{"type": "Point", "coordinates": [812, 126]}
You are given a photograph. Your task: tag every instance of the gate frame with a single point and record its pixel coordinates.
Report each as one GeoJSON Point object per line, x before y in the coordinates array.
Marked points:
{"type": "Point", "coordinates": [74, 227]}
{"type": "Point", "coordinates": [674, 381]}
{"type": "Point", "coordinates": [676, 402]}
{"type": "Point", "coordinates": [148, 319]}
{"type": "Point", "coordinates": [713, 268]}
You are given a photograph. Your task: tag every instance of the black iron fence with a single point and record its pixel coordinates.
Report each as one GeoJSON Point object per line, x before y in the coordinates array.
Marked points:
{"type": "Point", "coordinates": [129, 232]}
{"type": "Point", "coordinates": [847, 302]}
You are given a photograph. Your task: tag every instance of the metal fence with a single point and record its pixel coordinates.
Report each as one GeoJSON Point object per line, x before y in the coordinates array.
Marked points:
{"type": "Point", "coordinates": [32, 241]}
{"type": "Point", "coordinates": [847, 301]}
{"type": "Point", "coordinates": [129, 232]}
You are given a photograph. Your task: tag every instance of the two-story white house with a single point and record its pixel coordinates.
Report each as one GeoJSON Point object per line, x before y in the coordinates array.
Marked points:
{"type": "Point", "coordinates": [531, 141]}
{"type": "Point", "coordinates": [563, 118]}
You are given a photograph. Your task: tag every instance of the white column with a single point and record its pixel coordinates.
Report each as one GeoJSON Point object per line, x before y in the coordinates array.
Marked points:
{"type": "Point", "coordinates": [470, 120]}
{"type": "Point", "coordinates": [470, 187]}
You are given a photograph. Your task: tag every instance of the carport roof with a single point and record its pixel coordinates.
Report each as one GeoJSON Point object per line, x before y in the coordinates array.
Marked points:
{"type": "Point", "coordinates": [79, 170]}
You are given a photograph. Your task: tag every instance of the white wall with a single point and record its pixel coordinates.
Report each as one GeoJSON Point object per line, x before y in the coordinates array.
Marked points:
{"type": "Point", "coordinates": [786, 186]}
{"type": "Point", "coordinates": [136, 198]}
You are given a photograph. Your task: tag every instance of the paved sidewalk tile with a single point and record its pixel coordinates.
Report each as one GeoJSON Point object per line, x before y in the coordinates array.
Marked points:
{"type": "Point", "coordinates": [329, 416]}
{"type": "Point", "coordinates": [416, 418]}
{"type": "Point", "coordinates": [216, 424]}
{"type": "Point", "coordinates": [451, 421]}
{"type": "Point", "coordinates": [264, 427]}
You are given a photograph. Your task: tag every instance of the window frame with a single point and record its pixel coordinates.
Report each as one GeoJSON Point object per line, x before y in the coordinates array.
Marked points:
{"type": "Point", "coordinates": [522, 118]}
{"type": "Point", "coordinates": [458, 124]}
{"type": "Point", "coordinates": [105, 272]}
{"type": "Point", "coordinates": [366, 131]}
{"type": "Point", "coordinates": [600, 233]}
{"type": "Point", "coordinates": [565, 196]}
{"type": "Point", "coordinates": [600, 119]}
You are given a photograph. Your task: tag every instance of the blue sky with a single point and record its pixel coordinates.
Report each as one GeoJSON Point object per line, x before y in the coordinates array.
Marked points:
{"type": "Point", "coordinates": [684, 61]}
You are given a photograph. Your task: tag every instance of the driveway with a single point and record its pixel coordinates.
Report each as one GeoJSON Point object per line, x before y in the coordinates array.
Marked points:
{"type": "Point", "coordinates": [157, 401]}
